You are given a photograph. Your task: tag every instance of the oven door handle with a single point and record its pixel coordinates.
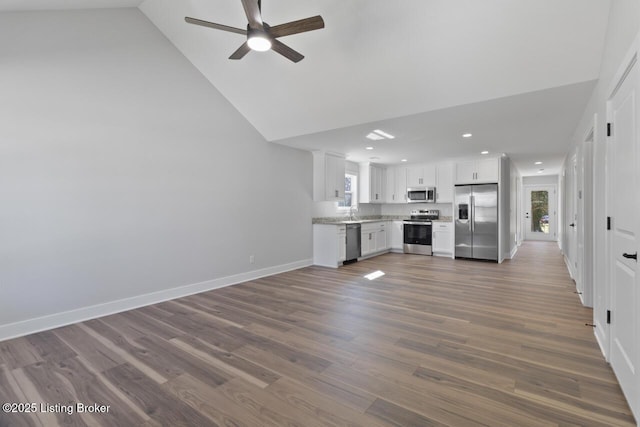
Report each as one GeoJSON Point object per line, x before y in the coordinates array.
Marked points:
{"type": "Point", "coordinates": [416, 223]}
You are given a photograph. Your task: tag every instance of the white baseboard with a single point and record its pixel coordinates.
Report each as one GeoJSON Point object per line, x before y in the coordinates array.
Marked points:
{"type": "Point", "coordinates": [443, 254]}
{"type": "Point", "coordinates": [601, 345]}
{"type": "Point", "coordinates": [513, 252]}
{"type": "Point", "coordinates": [568, 264]}
{"type": "Point", "coordinates": [30, 326]}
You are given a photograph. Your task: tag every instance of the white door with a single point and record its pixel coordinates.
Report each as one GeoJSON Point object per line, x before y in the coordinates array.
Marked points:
{"type": "Point", "coordinates": [540, 213]}
{"type": "Point", "coordinates": [623, 185]}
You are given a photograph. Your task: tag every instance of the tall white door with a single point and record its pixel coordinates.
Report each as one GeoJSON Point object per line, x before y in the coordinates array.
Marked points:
{"type": "Point", "coordinates": [623, 186]}
{"type": "Point", "coordinates": [540, 221]}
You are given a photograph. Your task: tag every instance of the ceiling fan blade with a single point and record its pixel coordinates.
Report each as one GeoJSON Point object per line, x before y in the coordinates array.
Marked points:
{"type": "Point", "coordinates": [252, 9]}
{"type": "Point", "coordinates": [295, 27]}
{"type": "Point", "coordinates": [215, 26]}
{"type": "Point", "coordinates": [286, 51]}
{"type": "Point", "coordinates": [241, 52]}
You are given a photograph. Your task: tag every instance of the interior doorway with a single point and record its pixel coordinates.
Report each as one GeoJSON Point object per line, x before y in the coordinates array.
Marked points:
{"type": "Point", "coordinates": [540, 213]}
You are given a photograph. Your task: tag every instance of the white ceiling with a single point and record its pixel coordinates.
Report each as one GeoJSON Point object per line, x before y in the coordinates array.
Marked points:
{"type": "Point", "coordinates": [23, 5]}
{"type": "Point", "coordinates": [516, 74]}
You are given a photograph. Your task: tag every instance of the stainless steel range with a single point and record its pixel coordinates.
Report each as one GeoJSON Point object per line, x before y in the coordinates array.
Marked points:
{"type": "Point", "coordinates": [417, 231]}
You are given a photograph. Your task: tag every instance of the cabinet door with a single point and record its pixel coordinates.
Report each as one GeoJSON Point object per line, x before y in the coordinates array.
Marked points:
{"type": "Point", "coordinates": [415, 176]}
{"type": "Point", "coordinates": [390, 186]}
{"type": "Point", "coordinates": [342, 246]}
{"type": "Point", "coordinates": [377, 184]}
{"type": "Point", "coordinates": [401, 185]}
{"type": "Point", "coordinates": [442, 237]}
{"type": "Point", "coordinates": [465, 172]}
{"type": "Point", "coordinates": [429, 175]}
{"type": "Point", "coordinates": [328, 176]}
{"type": "Point", "coordinates": [396, 235]}
{"type": "Point", "coordinates": [442, 242]}
{"type": "Point", "coordinates": [487, 170]}
{"type": "Point", "coordinates": [334, 177]}
{"type": "Point", "coordinates": [444, 183]}
{"type": "Point", "coordinates": [381, 240]}
{"type": "Point", "coordinates": [368, 242]}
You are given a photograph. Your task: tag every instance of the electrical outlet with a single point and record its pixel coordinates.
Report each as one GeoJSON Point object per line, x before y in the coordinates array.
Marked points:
{"type": "Point", "coordinates": [252, 259]}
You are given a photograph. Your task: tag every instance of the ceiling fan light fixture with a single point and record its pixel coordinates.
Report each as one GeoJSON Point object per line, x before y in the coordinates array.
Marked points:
{"type": "Point", "coordinates": [258, 41]}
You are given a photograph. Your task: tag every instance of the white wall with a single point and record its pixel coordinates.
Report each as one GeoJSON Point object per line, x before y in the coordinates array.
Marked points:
{"type": "Point", "coordinates": [540, 180]}
{"type": "Point", "coordinates": [123, 172]}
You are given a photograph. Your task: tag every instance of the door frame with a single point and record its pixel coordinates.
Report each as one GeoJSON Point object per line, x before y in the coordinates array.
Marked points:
{"type": "Point", "coordinates": [587, 212]}
{"type": "Point", "coordinates": [553, 205]}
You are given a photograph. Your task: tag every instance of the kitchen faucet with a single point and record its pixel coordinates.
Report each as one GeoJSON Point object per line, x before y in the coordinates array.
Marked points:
{"type": "Point", "coordinates": [351, 216]}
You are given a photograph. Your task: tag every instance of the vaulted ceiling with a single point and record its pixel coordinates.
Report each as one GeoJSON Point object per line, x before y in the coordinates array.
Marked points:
{"type": "Point", "coordinates": [515, 74]}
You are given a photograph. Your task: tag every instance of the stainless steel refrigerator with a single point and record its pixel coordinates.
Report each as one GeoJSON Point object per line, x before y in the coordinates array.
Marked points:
{"type": "Point", "coordinates": [476, 221]}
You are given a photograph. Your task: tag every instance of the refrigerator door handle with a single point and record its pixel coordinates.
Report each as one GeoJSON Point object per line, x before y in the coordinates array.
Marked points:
{"type": "Point", "coordinates": [472, 217]}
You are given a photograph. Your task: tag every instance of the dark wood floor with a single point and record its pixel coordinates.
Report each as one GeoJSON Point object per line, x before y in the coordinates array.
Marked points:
{"type": "Point", "coordinates": [433, 342]}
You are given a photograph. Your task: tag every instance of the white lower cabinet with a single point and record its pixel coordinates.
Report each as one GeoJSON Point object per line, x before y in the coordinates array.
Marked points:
{"type": "Point", "coordinates": [396, 236]}
{"type": "Point", "coordinates": [374, 238]}
{"type": "Point", "coordinates": [368, 242]}
{"type": "Point", "coordinates": [442, 238]}
{"type": "Point", "coordinates": [342, 244]}
{"type": "Point", "coordinates": [329, 244]}
{"type": "Point", "coordinates": [381, 239]}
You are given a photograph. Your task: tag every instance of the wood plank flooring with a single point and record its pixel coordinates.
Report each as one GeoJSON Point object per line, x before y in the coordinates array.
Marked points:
{"type": "Point", "coordinates": [434, 342]}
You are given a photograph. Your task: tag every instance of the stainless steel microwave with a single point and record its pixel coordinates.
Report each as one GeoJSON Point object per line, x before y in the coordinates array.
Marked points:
{"type": "Point", "coordinates": [421, 195]}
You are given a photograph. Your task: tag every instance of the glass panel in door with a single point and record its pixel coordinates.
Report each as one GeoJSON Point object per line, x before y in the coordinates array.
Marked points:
{"type": "Point", "coordinates": [540, 212]}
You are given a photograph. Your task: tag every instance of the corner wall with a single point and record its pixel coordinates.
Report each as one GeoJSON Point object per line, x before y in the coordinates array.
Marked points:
{"type": "Point", "coordinates": [125, 177]}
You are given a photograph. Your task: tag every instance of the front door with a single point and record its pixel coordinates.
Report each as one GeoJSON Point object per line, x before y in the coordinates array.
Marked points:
{"type": "Point", "coordinates": [623, 188]}
{"type": "Point", "coordinates": [540, 213]}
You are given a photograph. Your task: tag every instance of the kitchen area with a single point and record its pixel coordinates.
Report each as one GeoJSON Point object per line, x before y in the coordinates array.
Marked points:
{"type": "Point", "coordinates": [422, 209]}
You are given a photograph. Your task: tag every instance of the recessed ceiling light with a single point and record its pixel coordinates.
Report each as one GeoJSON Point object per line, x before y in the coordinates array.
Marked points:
{"type": "Point", "coordinates": [368, 148]}
{"type": "Point", "coordinates": [384, 134]}
{"type": "Point", "coordinates": [537, 163]}
{"type": "Point", "coordinates": [484, 152]}
{"type": "Point", "coordinates": [375, 137]}
{"type": "Point", "coordinates": [403, 160]}
{"type": "Point", "coordinates": [467, 135]}
{"type": "Point", "coordinates": [540, 170]}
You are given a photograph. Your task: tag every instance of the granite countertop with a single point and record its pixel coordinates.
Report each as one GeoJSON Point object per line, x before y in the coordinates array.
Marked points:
{"type": "Point", "coordinates": [444, 219]}
{"type": "Point", "coordinates": [339, 220]}
{"type": "Point", "coordinates": [357, 220]}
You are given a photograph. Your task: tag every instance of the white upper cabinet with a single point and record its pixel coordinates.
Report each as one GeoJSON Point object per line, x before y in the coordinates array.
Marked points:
{"type": "Point", "coordinates": [478, 171]}
{"type": "Point", "coordinates": [488, 170]}
{"type": "Point", "coordinates": [444, 183]}
{"type": "Point", "coordinates": [421, 176]}
{"type": "Point", "coordinates": [396, 188]}
{"type": "Point", "coordinates": [328, 176]}
{"type": "Point", "coordinates": [373, 182]}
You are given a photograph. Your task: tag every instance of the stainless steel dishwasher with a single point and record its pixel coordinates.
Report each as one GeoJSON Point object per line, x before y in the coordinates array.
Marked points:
{"type": "Point", "coordinates": [353, 242]}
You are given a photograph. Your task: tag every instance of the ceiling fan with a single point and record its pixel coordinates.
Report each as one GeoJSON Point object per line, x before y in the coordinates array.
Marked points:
{"type": "Point", "coordinates": [261, 36]}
